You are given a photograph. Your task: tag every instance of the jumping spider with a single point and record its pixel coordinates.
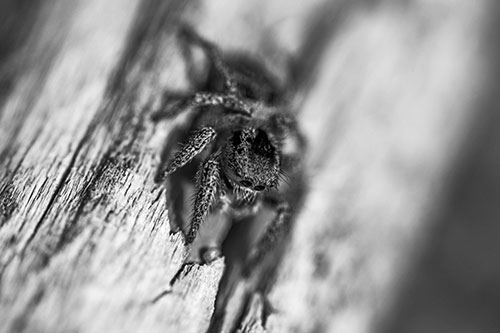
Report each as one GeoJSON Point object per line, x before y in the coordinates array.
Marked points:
{"type": "Point", "coordinates": [244, 142]}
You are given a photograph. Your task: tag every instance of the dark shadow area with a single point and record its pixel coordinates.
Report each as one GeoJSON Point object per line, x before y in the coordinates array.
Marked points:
{"type": "Point", "coordinates": [455, 284]}
{"type": "Point", "coordinates": [17, 19]}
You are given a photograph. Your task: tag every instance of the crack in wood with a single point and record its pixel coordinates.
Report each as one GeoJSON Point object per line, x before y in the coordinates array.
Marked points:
{"type": "Point", "coordinates": [160, 296]}
{"type": "Point", "coordinates": [182, 271]}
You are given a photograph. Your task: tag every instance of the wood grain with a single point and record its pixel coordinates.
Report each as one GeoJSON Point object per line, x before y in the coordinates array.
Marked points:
{"type": "Point", "coordinates": [386, 101]}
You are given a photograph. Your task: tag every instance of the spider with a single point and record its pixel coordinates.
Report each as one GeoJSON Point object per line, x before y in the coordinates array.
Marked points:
{"type": "Point", "coordinates": [244, 142]}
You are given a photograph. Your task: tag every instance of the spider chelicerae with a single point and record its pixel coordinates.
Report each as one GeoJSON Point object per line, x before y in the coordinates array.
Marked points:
{"type": "Point", "coordinates": [244, 142]}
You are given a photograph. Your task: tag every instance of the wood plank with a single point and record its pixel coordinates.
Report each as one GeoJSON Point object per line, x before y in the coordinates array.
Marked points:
{"type": "Point", "coordinates": [85, 240]}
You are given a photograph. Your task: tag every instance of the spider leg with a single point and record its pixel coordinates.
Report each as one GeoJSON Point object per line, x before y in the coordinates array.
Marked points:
{"type": "Point", "coordinates": [213, 53]}
{"type": "Point", "coordinates": [246, 107]}
{"type": "Point", "coordinates": [207, 183]}
{"type": "Point", "coordinates": [179, 103]}
{"type": "Point", "coordinates": [272, 236]}
{"type": "Point", "coordinates": [196, 143]}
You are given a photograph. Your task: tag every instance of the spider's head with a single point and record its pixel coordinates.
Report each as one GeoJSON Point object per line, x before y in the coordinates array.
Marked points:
{"type": "Point", "coordinates": [251, 160]}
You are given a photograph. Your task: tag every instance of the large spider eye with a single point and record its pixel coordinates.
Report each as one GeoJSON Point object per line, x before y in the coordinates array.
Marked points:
{"type": "Point", "coordinates": [259, 187]}
{"type": "Point", "coordinates": [262, 145]}
{"type": "Point", "coordinates": [246, 183]}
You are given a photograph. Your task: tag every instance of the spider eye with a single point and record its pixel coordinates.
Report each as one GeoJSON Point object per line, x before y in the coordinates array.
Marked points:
{"type": "Point", "coordinates": [262, 145]}
{"type": "Point", "coordinates": [259, 187]}
{"type": "Point", "coordinates": [246, 183]}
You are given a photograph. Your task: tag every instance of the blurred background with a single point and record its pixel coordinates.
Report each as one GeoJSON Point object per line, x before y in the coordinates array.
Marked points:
{"type": "Point", "coordinates": [397, 99]}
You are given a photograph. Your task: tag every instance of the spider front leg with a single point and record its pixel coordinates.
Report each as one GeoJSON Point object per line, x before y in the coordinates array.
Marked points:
{"type": "Point", "coordinates": [180, 103]}
{"type": "Point", "coordinates": [273, 235]}
{"type": "Point", "coordinates": [196, 143]}
{"type": "Point", "coordinates": [207, 184]}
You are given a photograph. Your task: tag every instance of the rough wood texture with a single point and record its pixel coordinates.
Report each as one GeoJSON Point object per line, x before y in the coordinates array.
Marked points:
{"type": "Point", "coordinates": [85, 242]}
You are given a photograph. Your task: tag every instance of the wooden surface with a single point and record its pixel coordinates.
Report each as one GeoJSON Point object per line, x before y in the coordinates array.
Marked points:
{"type": "Point", "coordinates": [388, 97]}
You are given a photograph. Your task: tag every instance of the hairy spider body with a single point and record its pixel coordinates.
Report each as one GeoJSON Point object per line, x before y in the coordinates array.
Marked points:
{"type": "Point", "coordinates": [243, 140]}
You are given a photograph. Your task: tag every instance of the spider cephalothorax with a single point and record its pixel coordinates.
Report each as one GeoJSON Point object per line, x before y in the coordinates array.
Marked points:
{"type": "Point", "coordinates": [251, 160]}
{"type": "Point", "coordinates": [242, 138]}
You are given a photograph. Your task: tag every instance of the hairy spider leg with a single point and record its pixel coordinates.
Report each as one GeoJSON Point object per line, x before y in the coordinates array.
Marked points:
{"type": "Point", "coordinates": [213, 53]}
{"type": "Point", "coordinates": [272, 236]}
{"type": "Point", "coordinates": [196, 143]}
{"type": "Point", "coordinates": [232, 103]}
{"type": "Point", "coordinates": [207, 183]}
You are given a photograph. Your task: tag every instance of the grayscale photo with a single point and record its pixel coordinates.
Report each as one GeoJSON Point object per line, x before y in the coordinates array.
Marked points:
{"type": "Point", "coordinates": [259, 166]}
